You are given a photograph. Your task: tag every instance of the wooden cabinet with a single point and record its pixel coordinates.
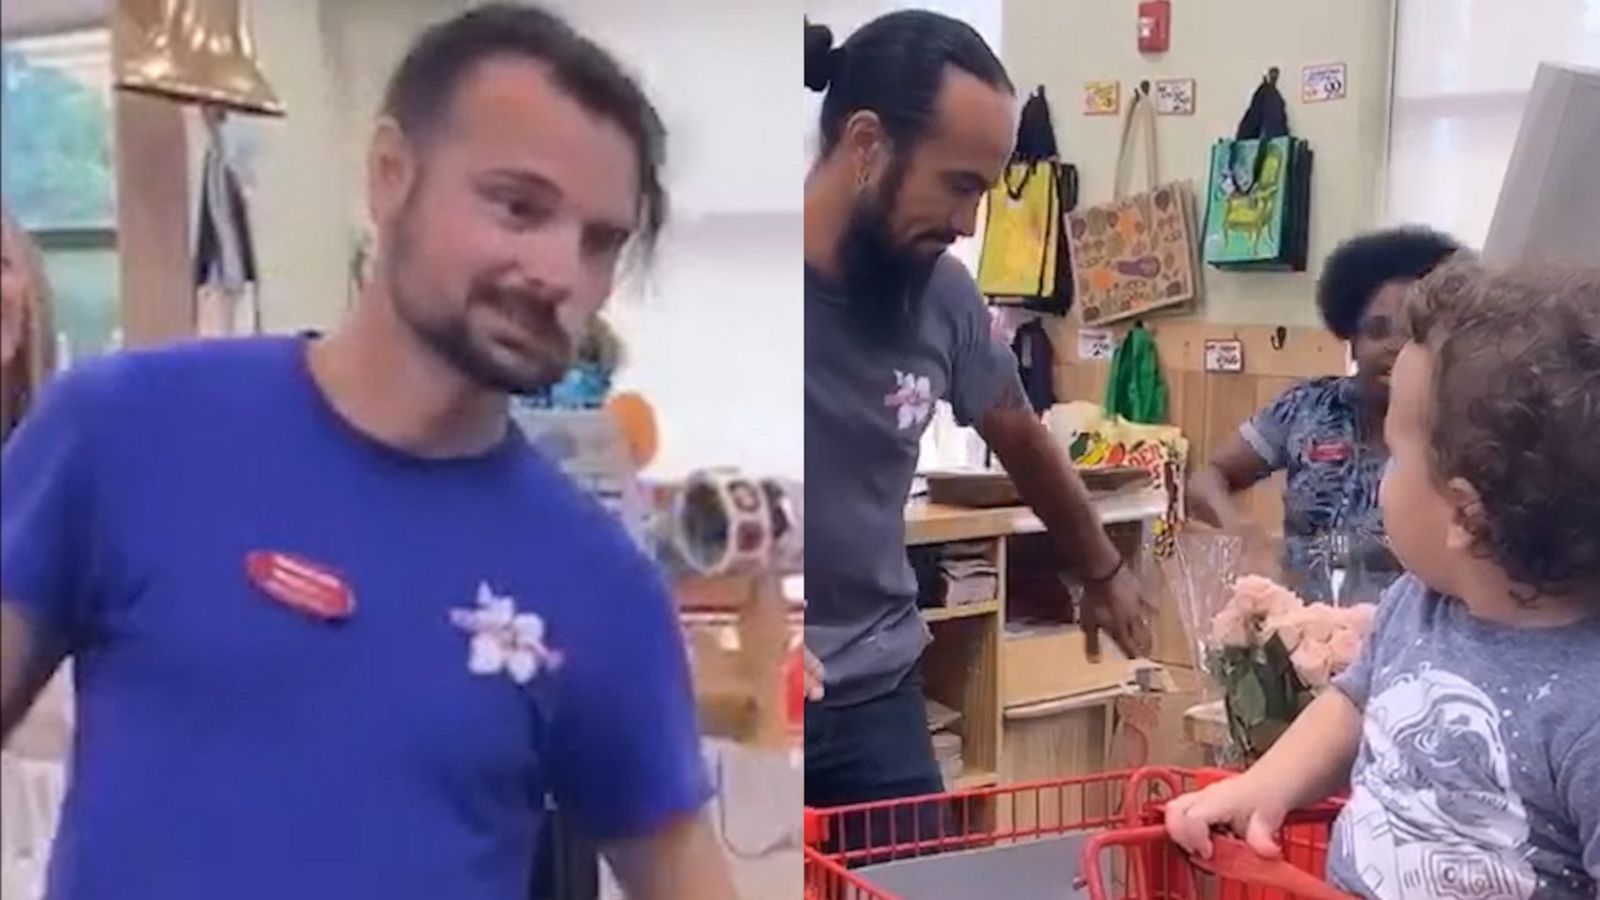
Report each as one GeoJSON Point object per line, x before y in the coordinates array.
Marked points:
{"type": "Point", "coordinates": [1011, 683]}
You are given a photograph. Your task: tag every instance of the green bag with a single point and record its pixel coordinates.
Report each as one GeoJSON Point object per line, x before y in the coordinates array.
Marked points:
{"type": "Point", "coordinates": [1136, 391]}
{"type": "Point", "coordinates": [1258, 202]}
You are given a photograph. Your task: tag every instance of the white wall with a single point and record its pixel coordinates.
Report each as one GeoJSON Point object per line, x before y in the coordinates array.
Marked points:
{"type": "Point", "coordinates": [1225, 46]}
{"type": "Point", "coordinates": [713, 330]}
{"type": "Point", "coordinates": [1460, 89]}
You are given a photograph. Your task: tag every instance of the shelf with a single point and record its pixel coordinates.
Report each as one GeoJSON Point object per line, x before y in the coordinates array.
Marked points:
{"type": "Point", "coordinates": [974, 779]}
{"type": "Point", "coordinates": [964, 611]}
{"type": "Point", "coordinates": [932, 523]}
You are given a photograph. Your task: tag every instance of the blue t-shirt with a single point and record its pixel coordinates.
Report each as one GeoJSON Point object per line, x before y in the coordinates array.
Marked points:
{"type": "Point", "coordinates": [230, 745]}
{"type": "Point", "coordinates": [1333, 459]}
{"type": "Point", "coordinates": [1479, 769]}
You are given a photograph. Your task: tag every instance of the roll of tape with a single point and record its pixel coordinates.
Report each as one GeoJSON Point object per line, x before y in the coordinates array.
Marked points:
{"type": "Point", "coordinates": [723, 524]}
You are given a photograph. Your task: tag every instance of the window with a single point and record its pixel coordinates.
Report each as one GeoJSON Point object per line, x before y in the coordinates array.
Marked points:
{"type": "Point", "coordinates": [1460, 83]}
{"type": "Point", "coordinates": [57, 176]}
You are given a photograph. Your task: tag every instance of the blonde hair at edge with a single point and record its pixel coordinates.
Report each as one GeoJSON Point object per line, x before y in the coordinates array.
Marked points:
{"type": "Point", "coordinates": [24, 374]}
{"type": "Point", "coordinates": [44, 733]}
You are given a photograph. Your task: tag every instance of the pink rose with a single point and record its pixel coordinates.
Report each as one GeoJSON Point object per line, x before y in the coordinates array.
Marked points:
{"type": "Point", "coordinates": [1288, 627]}
{"type": "Point", "coordinates": [1312, 663]}
{"type": "Point", "coordinates": [1318, 621]}
{"type": "Point", "coordinates": [1229, 628]}
{"type": "Point", "coordinates": [1343, 649]}
{"type": "Point", "coordinates": [1264, 597]}
{"type": "Point", "coordinates": [1254, 595]}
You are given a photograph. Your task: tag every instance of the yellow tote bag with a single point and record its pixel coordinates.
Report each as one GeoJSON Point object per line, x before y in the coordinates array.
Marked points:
{"type": "Point", "coordinates": [1021, 232]}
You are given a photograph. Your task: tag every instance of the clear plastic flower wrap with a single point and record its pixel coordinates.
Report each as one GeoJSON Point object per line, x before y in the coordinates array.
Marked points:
{"type": "Point", "coordinates": [1268, 651]}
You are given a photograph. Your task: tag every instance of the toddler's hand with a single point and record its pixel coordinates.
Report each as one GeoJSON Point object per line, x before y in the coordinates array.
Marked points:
{"type": "Point", "coordinates": [1238, 804]}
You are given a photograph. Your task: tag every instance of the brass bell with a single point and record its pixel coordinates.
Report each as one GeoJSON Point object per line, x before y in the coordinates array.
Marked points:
{"type": "Point", "coordinates": [192, 51]}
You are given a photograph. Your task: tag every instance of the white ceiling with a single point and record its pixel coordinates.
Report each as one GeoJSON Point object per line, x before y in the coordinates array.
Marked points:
{"type": "Point", "coordinates": [19, 18]}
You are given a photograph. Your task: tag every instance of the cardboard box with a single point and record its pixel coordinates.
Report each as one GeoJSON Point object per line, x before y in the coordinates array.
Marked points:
{"type": "Point", "coordinates": [1149, 727]}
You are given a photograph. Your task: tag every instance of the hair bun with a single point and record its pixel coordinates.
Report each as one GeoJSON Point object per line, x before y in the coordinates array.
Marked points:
{"type": "Point", "coordinates": [822, 58]}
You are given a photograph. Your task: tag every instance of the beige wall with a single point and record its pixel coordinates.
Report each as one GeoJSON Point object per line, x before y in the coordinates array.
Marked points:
{"type": "Point", "coordinates": [721, 300]}
{"type": "Point", "coordinates": [1225, 46]}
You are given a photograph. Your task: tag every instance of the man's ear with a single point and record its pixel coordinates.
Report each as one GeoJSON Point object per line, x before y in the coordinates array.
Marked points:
{"type": "Point", "coordinates": [391, 170]}
{"type": "Point", "coordinates": [866, 144]}
{"type": "Point", "coordinates": [1466, 512]}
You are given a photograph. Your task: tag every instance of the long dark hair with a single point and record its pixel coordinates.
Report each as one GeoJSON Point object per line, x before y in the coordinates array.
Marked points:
{"type": "Point", "coordinates": [893, 66]}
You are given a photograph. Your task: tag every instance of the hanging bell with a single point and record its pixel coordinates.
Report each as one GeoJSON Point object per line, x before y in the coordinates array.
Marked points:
{"type": "Point", "coordinates": [193, 51]}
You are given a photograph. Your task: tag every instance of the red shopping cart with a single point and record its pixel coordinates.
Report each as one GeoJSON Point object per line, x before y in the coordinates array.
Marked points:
{"type": "Point", "coordinates": [1098, 837]}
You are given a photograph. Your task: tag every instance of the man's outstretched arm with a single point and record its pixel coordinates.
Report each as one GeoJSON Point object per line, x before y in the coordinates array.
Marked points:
{"type": "Point", "coordinates": [1048, 483]}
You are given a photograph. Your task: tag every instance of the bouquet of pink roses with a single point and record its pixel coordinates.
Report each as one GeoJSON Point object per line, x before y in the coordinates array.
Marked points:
{"type": "Point", "coordinates": [1271, 652]}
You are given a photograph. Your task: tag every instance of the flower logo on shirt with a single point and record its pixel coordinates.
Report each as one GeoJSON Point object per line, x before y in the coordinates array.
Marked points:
{"type": "Point", "coordinates": [912, 398]}
{"type": "Point", "coordinates": [504, 640]}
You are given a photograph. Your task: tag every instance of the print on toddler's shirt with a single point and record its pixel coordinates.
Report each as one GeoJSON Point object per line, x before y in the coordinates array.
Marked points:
{"type": "Point", "coordinates": [1433, 814]}
{"type": "Point", "coordinates": [504, 640]}
{"type": "Point", "coordinates": [912, 398]}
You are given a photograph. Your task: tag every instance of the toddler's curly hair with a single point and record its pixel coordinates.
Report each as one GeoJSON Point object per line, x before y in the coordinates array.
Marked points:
{"type": "Point", "coordinates": [1516, 413]}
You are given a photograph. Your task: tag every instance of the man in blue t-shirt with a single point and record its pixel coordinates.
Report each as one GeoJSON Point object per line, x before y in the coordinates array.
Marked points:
{"type": "Point", "coordinates": [338, 631]}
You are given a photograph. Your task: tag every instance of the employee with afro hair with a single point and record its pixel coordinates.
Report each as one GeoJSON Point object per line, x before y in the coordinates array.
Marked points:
{"type": "Point", "coordinates": [1326, 434]}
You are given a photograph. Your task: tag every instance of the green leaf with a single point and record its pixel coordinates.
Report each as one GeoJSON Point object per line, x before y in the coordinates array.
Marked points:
{"type": "Point", "coordinates": [1250, 701]}
{"type": "Point", "coordinates": [1276, 655]}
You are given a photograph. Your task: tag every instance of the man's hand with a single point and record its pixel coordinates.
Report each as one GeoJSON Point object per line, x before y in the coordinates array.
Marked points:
{"type": "Point", "coordinates": [1047, 482]}
{"type": "Point", "coordinates": [1117, 607]}
{"type": "Point", "coordinates": [680, 861]}
{"type": "Point", "coordinates": [813, 668]}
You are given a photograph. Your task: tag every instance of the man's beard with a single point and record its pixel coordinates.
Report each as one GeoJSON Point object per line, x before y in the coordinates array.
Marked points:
{"type": "Point", "coordinates": [452, 339]}
{"type": "Point", "coordinates": [883, 280]}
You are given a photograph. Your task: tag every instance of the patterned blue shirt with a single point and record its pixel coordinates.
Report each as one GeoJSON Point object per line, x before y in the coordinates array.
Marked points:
{"type": "Point", "coordinates": [1316, 434]}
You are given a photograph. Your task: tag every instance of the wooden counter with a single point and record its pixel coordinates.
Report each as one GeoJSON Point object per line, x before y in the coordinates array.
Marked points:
{"type": "Point", "coordinates": [932, 523]}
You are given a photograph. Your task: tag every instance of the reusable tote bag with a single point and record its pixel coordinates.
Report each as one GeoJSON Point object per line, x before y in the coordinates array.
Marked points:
{"type": "Point", "coordinates": [1135, 253]}
{"type": "Point", "coordinates": [1024, 258]}
{"type": "Point", "coordinates": [1021, 232]}
{"type": "Point", "coordinates": [1258, 203]}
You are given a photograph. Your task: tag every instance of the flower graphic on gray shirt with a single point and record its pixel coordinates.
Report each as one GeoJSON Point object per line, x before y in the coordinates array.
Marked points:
{"type": "Point", "coordinates": [912, 398]}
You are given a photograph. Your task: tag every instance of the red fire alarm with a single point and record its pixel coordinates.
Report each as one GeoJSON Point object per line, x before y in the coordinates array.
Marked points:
{"type": "Point", "coordinates": [1155, 25]}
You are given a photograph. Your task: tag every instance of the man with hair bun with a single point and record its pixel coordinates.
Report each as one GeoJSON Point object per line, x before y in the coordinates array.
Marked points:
{"type": "Point", "coordinates": [918, 118]}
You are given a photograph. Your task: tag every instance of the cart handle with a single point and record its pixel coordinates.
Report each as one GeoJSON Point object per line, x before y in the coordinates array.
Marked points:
{"type": "Point", "coordinates": [1231, 858]}
{"type": "Point", "coordinates": [1234, 859]}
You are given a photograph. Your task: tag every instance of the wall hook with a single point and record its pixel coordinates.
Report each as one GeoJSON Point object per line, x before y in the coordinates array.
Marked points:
{"type": "Point", "coordinates": [1280, 336]}
{"type": "Point", "coordinates": [1272, 76]}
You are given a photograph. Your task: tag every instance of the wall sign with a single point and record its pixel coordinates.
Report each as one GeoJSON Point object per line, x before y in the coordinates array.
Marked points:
{"type": "Point", "coordinates": [1095, 344]}
{"type": "Point", "coordinates": [1102, 98]}
{"type": "Point", "coordinates": [1225, 356]}
{"type": "Point", "coordinates": [1319, 84]}
{"type": "Point", "coordinates": [1174, 97]}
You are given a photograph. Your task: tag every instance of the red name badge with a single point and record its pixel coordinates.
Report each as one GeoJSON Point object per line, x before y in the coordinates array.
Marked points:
{"type": "Point", "coordinates": [312, 589]}
{"type": "Point", "coordinates": [1330, 451]}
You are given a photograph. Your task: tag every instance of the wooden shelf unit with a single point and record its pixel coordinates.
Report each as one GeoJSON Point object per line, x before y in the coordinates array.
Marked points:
{"type": "Point", "coordinates": [975, 668]}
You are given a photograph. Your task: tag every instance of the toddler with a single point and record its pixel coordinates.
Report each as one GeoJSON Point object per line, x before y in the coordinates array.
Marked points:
{"type": "Point", "coordinates": [1468, 730]}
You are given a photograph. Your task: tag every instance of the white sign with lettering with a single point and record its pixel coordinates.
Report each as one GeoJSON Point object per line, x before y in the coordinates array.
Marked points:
{"type": "Point", "coordinates": [1095, 344]}
{"type": "Point", "coordinates": [1319, 84]}
{"type": "Point", "coordinates": [1224, 356]}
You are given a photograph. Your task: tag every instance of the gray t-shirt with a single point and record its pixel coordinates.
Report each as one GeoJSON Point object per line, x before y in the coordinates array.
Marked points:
{"type": "Point", "coordinates": [867, 405]}
{"type": "Point", "coordinates": [1479, 769]}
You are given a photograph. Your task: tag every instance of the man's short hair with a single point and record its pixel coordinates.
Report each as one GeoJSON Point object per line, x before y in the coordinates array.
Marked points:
{"type": "Point", "coordinates": [422, 88]}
